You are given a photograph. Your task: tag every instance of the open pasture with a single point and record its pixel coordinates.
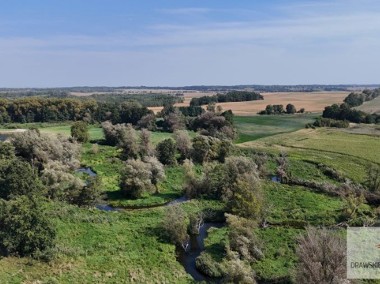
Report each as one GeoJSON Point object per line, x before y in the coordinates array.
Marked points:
{"type": "Point", "coordinates": [326, 140]}
{"type": "Point", "coordinates": [346, 152]}
{"type": "Point", "coordinates": [371, 106]}
{"type": "Point", "coordinates": [255, 127]}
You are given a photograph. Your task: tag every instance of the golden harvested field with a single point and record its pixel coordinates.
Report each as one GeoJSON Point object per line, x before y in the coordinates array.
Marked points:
{"type": "Point", "coordinates": [311, 101]}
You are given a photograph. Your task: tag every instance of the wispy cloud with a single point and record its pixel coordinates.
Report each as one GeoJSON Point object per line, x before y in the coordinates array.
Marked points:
{"type": "Point", "coordinates": [186, 11]}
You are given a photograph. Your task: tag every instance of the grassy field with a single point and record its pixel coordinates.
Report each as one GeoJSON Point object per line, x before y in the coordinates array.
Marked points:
{"type": "Point", "coordinates": [346, 152]}
{"type": "Point", "coordinates": [255, 127]}
{"type": "Point", "coordinates": [96, 132]}
{"type": "Point", "coordinates": [291, 208]}
{"type": "Point", "coordinates": [101, 247]}
{"type": "Point", "coordinates": [371, 106]}
{"type": "Point", "coordinates": [326, 140]}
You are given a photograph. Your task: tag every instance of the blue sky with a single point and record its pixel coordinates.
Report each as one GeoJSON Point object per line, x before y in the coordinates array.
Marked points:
{"type": "Point", "coordinates": [51, 43]}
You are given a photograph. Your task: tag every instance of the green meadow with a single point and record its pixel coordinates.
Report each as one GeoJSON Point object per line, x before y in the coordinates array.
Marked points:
{"type": "Point", "coordinates": [259, 126]}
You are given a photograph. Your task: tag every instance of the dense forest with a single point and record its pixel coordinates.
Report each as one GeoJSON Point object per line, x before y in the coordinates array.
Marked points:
{"type": "Point", "coordinates": [233, 96]}
{"type": "Point", "coordinates": [147, 100]}
{"type": "Point", "coordinates": [36, 109]}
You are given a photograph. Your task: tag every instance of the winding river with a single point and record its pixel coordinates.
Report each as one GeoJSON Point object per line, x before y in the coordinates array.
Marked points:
{"type": "Point", "coordinates": [196, 246]}
{"type": "Point", "coordinates": [188, 258]}
{"type": "Point", "coordinates": [3, 137]}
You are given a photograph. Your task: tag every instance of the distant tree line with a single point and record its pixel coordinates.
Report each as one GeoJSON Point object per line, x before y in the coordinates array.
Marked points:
{"type": "Point", "coordinates": [233, 96]}
{"type": "Point", "coordinates": [357, 99]}
{"type": "Point", "coordinates": [279, 109]}
{"type": "Point", "coordinates": [147, 100]}
{"type": "Point", "coordinates": [264, 88]}
{"type": "Point", "coordinates": [51, 93]}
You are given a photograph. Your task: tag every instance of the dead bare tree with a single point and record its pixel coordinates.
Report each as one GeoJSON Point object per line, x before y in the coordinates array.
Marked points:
{"type": "Point", "coordinates": [322, 258]}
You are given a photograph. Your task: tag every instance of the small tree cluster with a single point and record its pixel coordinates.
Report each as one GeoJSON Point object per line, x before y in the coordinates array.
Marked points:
{"type": "Point", "coordinates": [38, 149]}
{"type": "Point", "coordinates": [24, 228]}
{"type": "Point", "coordinates": [207, 149]}
{"type": "Point", "coordinates": [126, 138]}
{"type": "Point", "coordinates": [140, 177]}
{"type": "Point", "coordinates": [242, 240]}
{"type": "Point", "coordinates": [279, 109]}
{"type": "Point", "coordinates": [212, 124]}
{"type": "Point", "coordinates": [236, 181]}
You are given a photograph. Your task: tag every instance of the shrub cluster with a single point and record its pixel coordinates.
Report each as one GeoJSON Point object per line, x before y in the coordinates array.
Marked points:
{"type": "Point", "coordinates": [328, 122]}
{"type": "Point", "coordinates": [279, 109]}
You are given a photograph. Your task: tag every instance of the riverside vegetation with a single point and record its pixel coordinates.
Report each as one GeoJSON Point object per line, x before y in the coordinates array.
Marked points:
{"type": "Point", "coordinates": [276, 191]}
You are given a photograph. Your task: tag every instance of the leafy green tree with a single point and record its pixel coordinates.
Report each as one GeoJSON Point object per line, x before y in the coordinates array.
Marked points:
{"type": "Point", "coordinates": [174, 226]}
{"type": "Point", "coordinates": [135, 178]}
{"type": "Point", "coordinates": [129, 143]}
{"type": "Point", "coordinates": [90, 194]}
{"type": "Point", "coordinates": [79, 131]}
{"type": "Point", "coordinates": [113, 133]}
{"type": "Point", "coordinates": [145, 145]}
{"type": "Point", "coordinates": [174, 121]}
{"type": "Point", "coordinates": [18, 178]}
{"type": "Point", "coordinates": [148, 122]}
{"type": "Point", "coordinates": [25, 229]}
{"type": "Point", "coordinates": [166, 151]}
{"type": "Point", "coordinates": [157, 171]}
{"type": "Point", "coordinates": [242, 191]}
{"type": "Point", "coordinates": [201, 149]}
{"type": "Point", "coordinates": [183, 143]}
{"type": "Point", "coordinates": [224, 150]}
{"type": "Point", "coordinates": [60, 183]}
{"type": "Point", "coordinates": [7, 151]}
{"type": "Point", "coordinates": [290, 109]}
